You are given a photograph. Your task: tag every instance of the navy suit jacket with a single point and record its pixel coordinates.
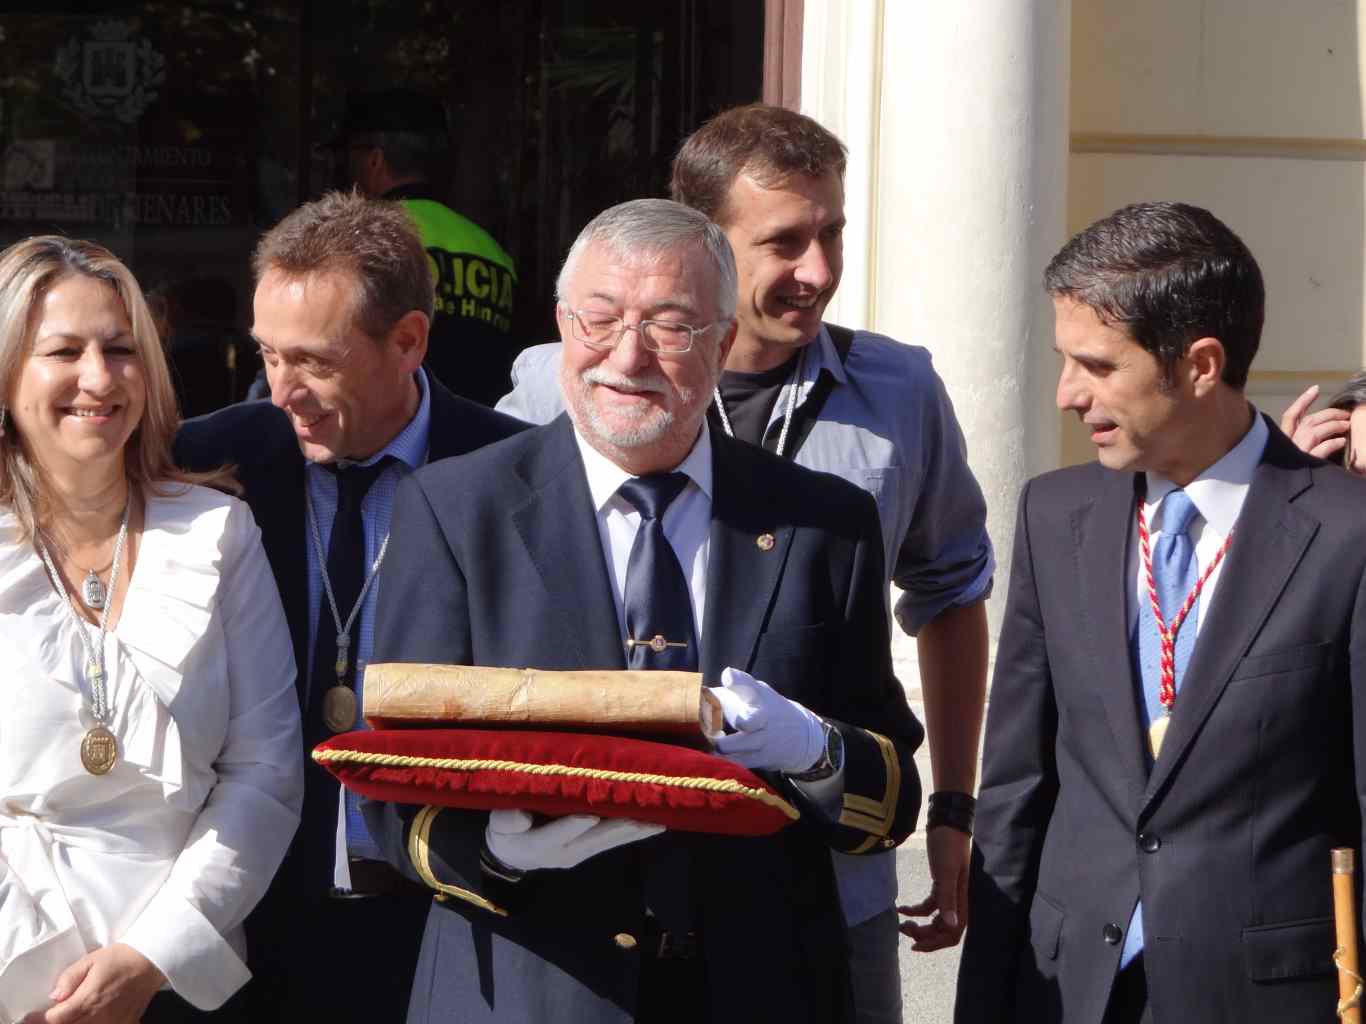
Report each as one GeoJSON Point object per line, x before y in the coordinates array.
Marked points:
{"type": "Point", "coordinates": [496, 560]}
{"type": "Point", "coordinates": [1227, 839]}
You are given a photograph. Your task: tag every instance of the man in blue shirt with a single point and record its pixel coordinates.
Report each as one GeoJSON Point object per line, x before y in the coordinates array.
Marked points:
{"type": "Point", "coordinates": [873, 411]}
{"type": "Point", "coordinates": [343, 305]}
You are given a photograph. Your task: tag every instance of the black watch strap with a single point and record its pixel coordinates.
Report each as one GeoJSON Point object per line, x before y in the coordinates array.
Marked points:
{"type": "Point", "coordinates": [952, 808]}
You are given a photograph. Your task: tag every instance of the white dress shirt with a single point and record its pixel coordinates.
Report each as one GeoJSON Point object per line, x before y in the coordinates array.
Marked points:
{"type": "Point", "coordinates": [1218, 495]}
{"type": "Point", "coordinates": [170, 850]}
{"type": "Point", "coordinates": [687, 523]}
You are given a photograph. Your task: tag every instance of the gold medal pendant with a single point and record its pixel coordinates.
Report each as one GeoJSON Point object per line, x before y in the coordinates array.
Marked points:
{"type": "Point", "coordinates": [1157, 732]}
{"type": "Point", "coordinates": [339, 708]}
{"type": "Point", "coordinates": [99, 751]}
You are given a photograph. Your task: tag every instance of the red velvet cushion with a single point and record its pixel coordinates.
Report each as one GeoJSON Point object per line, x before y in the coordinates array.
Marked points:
{"type": "Point", "coordinates": [557, 773]}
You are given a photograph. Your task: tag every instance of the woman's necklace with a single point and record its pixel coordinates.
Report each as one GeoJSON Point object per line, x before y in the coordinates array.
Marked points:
{"type": "Point", "coordinates": [99, 748]}
{"type": "Point", "coordinates": [93, 591]}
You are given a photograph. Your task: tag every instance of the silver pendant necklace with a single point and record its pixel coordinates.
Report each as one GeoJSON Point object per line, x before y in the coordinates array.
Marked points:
{"type": "Point", "coordinates": [793, 383]}
{"type": "Point", "coordinates": [339, 702]}
{"type": "Point", "coordinates": [99, 747]}
{"type": "Point", "coordinates": [93, 592]}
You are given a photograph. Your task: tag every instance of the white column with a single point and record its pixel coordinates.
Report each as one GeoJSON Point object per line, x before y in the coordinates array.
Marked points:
{"type": "Point", "coordinates": [956, 118]}
{"type": "Point", "coordinates": [841, 81]}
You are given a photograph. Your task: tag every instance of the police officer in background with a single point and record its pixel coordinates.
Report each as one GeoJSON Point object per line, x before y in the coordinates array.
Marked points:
{"type": "Point", "coordinates": [391, 145]}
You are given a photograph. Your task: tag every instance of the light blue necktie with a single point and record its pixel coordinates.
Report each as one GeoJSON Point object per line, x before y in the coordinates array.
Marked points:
{"type": "Point", "coordinates": [1175, 572]}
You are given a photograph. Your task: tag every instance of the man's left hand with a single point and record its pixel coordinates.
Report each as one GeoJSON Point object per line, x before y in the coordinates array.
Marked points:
{"type": "Point", "coordinates": [112, 985]}
{"type": "Point", "coordinates": [772, 732]}
{"type": "Point", "coordinates": [949, 851]}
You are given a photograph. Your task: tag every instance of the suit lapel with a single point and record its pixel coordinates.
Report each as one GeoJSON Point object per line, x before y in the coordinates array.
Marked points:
{"type": "Point", "coordinates": [566, 549]}
{"type": "Point", "coordinates": [743, 570]}
{"type": "Point", "coordinates": [1269, 540]}
{"type": "Point", "coordinates": [1101, 529]}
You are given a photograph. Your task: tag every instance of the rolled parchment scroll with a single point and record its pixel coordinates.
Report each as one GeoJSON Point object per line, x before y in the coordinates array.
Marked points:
{"type": "Point", "coordinates": [673, 704]}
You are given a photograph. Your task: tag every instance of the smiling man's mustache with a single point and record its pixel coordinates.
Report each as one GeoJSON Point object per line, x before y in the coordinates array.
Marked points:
{"type": "Point", "coordinates": [650, 382]}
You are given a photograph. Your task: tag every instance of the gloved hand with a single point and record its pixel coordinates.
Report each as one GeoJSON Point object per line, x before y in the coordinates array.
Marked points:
{"type": "Point", "coordinates": [772, 732]}
{"type": "Point", "coordinates": [514, 839]}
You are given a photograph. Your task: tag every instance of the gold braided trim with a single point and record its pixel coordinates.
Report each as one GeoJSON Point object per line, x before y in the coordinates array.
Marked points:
{"type": "Point", "coordinates": [727, 786]}
{"type": "Point", "coordinates": [867, 823]}
{"type": "Point", "coordinates": [419, 852]}
{"type": "Point", "coordinates": [1354, 1000]}
{"type": "Point", "coordinates": [865, 846]}
{"type": "Point", "coordinates": [867, 814]}
{"type": "Point", "coordinates": [865, 805]}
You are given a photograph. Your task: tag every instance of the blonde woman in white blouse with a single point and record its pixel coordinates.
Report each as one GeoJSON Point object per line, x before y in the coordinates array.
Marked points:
{"type": "Point", "coordinates": [149, 729]}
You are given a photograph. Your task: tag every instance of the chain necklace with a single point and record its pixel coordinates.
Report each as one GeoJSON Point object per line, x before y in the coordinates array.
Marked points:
{"type": "Point", "coordinates": [1166, 631]}
{"type": "Point", "coordinates": [93, 591]}
{"type": "Point", "coordinates": [99, 748]}
{"type": "Point", "coordinates": [792, 387]}
{"type": "Point", "coordinates": [339, 702]}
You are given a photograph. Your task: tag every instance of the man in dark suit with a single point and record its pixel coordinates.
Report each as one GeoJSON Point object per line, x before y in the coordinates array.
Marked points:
{"type": "Point", "coordinates": [765, 576]}
{"type": "Point", "coordinates": [1161, 788]}
{"type": "Point", "coordinates": [342, 306]}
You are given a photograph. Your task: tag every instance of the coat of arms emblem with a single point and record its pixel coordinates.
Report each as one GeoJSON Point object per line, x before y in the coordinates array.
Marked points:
{"type": "Point", "coordinates": [111, 74]}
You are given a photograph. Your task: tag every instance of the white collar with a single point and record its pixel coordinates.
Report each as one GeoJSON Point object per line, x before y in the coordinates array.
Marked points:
{"type": "Point", "coordinates": [1219, 491]}
{"type": "Point", "coordinates": [605, 476]}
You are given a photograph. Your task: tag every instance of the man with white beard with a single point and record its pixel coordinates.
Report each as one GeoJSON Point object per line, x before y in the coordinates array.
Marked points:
{"type": "Point", "coordinates": [631, 534]}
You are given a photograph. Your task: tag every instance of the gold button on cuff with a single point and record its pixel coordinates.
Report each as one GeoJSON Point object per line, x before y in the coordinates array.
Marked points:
{"type": "Point", "coordinates": [764, 541]}
{"type": "Point", "coordinates": [624, 940]}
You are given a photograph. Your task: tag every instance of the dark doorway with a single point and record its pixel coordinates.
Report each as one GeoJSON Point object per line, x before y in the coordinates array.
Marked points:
{"type": "Point", "coordinates": [176, 132]}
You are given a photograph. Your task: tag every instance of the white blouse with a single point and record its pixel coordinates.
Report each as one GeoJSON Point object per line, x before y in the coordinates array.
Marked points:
{"type": "Point", "coordinates": [170, 850]}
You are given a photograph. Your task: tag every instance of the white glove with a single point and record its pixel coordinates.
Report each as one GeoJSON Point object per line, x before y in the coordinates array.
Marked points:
{"type": "Point", "coordinates": [564, 842]}
{"type": "Point", "coordinates": [772, 732]}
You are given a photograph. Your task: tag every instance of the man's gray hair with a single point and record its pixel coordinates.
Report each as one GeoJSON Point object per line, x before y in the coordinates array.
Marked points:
{"type": "Point", "coordinates": [649, 228]}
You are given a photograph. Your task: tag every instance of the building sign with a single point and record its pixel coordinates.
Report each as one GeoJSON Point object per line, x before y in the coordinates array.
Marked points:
{"type": "Point", "coordinates": [69, 182]}
{"type": "Point", "coordinates": [110, 74]}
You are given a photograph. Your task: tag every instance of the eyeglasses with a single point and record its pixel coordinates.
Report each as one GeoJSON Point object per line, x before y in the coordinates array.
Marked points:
{"type": "Point", "coordinates": [602, 332]}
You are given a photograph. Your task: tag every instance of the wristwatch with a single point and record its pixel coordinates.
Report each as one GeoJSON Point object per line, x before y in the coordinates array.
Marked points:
{"type": "Point", "coordinates": [831, 760]}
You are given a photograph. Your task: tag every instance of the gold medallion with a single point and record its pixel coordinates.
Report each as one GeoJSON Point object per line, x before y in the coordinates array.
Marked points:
{"type": "Point", "coordinates": [99, 751]}
{"type": "Point", "coordinates": [339, 708]}
{"type": "Point", "coordinates": [1157, 732]}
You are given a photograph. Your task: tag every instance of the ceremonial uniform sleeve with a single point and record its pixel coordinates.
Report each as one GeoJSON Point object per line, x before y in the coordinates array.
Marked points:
{"type": "Point", "coordinates": [945, 558]}
{"type": "Point", "coordinates": [1018, 792]}
{"type": "Point", "coordinates": [535, 396]}
{"type": "Point", "coordinates": [881, 787]}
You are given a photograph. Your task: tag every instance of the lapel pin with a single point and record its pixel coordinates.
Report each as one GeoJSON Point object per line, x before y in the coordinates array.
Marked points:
{"type": "Point", "coordinates": [764, 541]}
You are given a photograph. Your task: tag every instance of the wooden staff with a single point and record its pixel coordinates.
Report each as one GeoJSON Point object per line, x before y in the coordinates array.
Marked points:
{"type": "Point", "coordinates": [1345, 956]}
